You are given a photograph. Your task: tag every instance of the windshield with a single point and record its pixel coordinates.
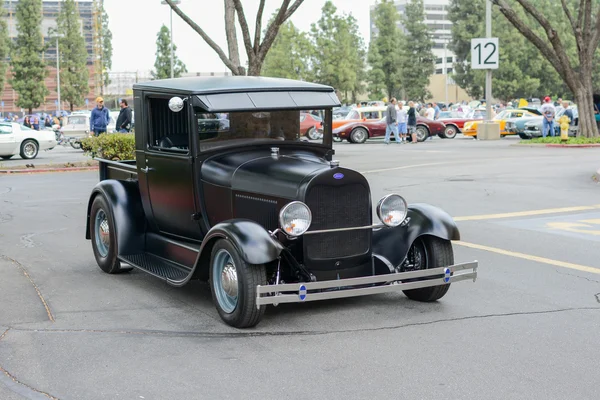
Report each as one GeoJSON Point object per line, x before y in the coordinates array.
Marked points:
{"type": "Point", "coordinates": [236, 128]}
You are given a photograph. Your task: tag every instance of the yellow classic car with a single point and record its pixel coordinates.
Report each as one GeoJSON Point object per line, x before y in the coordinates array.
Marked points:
{"type": "Point", "coordinates": [470, 128]}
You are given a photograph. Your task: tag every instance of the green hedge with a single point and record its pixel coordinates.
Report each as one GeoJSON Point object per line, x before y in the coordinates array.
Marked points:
{"type": "Point", "coordinates": [556, 139]}
{"type": "Point", "coordinates": [115, 146]}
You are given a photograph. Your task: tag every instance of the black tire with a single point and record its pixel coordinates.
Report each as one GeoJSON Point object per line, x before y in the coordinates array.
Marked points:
{"type": "Point", "coordinates": [76, 145]}
{"type": "Point", "coordinates": [450, 132]}
{"type": "Point", "coordinates": [244, 314]}
{"type": "Point", "coordinates": [422, 133]}
{"type": "Point", "coordinates": [359, 135]}
{"type": "Point", "coordinates": [106, 260]}
{"type": "Point", "coordinates": [29, 149]}
{"type": "Point", "coordinates": [5, 157]}
{"type": "Point", "coordinates": [312, 133]}
{"type": "Point", "coordinates": [438, 253]}
{"type": "Point", "coordinates": [524, 136]}
{"type": "Point", "coordinates": [441, 136]}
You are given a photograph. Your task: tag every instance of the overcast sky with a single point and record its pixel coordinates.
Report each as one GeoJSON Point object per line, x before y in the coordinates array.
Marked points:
{"type": "Point", "coordinates": [135, 23]}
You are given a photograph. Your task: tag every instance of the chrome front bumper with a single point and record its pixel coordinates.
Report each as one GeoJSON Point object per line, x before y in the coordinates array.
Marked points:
{"type": "Point", "coordinates": [299, 292]}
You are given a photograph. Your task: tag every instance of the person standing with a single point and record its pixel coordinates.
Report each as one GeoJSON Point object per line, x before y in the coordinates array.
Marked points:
{"type": "Point", "coordinates": [568, 112]}
{"type": "Point", "coordinates": [412, 122]}
{"type": "Point", "coordinates": [124, 119]}
{"type": "Point", "coordinates": [437, 111]}
{"type": "Point", "coordinates": [401, 115]}
{"type": "Point", "coordinates": [548, 111]}
{"type": "Point", "coordinates": [99, 118]}
{"type": "Point", "coordinates": [391, 122]}
{"type": "Point", "coordinates": [430, 112]}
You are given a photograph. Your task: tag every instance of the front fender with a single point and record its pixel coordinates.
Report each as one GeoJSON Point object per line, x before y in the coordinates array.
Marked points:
{"type": "Point", "coordinates": [393, 243]}
{"type": "Point", "coordinates": [123, 198]}
{"type": "Point", "coordinates": [254, 244]}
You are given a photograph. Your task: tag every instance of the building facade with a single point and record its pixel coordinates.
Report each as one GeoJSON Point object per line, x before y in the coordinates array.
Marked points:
{"type": "Point", "coordinates": [50, 9]}
{"type": "Point", "coordinates": [436, 19]}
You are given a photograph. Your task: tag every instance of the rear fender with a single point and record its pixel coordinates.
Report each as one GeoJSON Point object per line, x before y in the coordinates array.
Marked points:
{"type": "Point", "coordinates": [392, 244]}
{"type": "Point", "coordinates": [253, 243]}
{"type": "Point", "coordinates": [125, 203]}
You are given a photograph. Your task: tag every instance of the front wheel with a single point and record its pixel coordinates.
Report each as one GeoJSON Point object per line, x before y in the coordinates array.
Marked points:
{"type": "Point", "coordinates": [312, 133]}
{"type": "Point", "coordinates": [422, 133]}
{"type": "Point", "coordinates": [29, 149]}
{"type": "Point", "coordinates": [426, 253]}
{"type": "Point", "coordinates": [450, 132]}
{"type": "Point", "coordinates": [76, 145]}
{"type": "Point", "coordinates": [233, 285]}
{"type": "Point", "coordinates": [103, 235]}
{"type": "Point", "coordinates": [524, 136]}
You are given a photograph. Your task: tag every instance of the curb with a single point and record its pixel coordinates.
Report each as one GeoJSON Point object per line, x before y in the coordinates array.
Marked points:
{"type": "Point", "coordinates": [46, 170]}
{"type": "Point", "coordinates": [556, 145]}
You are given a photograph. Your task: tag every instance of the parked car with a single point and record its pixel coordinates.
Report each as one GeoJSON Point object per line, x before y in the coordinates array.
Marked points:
{"type": "Point", "coordinates": [253, 206]}
{"type": "Point", "coordinates": [77, 127]}
{"type": "Point", "coordinates": [533, 127]}
{"type": "Point", "coordinates": [454, 122]}
{"type": "Point", "coordinates": [361, 114]}
{"type": "Point", "coordinates": [26, 142]}
{"type": "Point", "coordinates": [341, 112]}
{"type": "Point", "coordinates": [360, 131]}
{"type": "Point", "coordinates": [311, 125]}
{"type": "Point", "coordinates": [470, 128]}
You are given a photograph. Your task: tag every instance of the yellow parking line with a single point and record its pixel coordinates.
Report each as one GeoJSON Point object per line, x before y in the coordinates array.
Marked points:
{"type": "Point", "coordinates": [543, 260]}
{"type": "Point", "coordinates": [527, 213]}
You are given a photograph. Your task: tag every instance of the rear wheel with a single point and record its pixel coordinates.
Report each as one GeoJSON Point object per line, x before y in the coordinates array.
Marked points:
{"type": "Point", "coordinates": [359, 135]}
{"type": "Point", "coordinates": [104, 236]}
{"type": "Point", "coordinates": [450, 132]}
{"type": "Point", "coordinates": [426, 253]}
{"type": "Point", "coordinates": [29, 149]}
{"type": "Point", "coordinates": [233, 285]}
{"type": "Point", "coordinates": [312, 133]}
{"type": "Point", "coordinates": [422, 133]}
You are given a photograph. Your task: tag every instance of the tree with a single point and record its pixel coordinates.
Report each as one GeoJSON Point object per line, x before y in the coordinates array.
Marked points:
{"type": "Point", "coordinates": [522, 72]}
{"type": "Point", "coordinates": [162, 65]}
{"type": "Point", "coordinates": [4, 49]}
{"type": "Point", "coordinates": [290, 55]}
{"type": "Point", "coordinates": [585, 27]}
{"type": "Point", "coordinates": [417, 59]}
{"type": "Point", "coordinates": [340, 60]}
{"type": "Point", "coordinates": [28, 66]}
{"type": "Point", "coordinates": [255, 49]}
{"type": "Point", "coordinates": [384, 50]}
{"type": "Point", "coordinates": [107, 50]}
{"type": "Point", "coordinates": [74, 75]}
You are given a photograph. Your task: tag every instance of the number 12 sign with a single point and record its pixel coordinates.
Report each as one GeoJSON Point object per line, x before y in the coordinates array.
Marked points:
{"type": "Point", "coordinates": [484, 53]}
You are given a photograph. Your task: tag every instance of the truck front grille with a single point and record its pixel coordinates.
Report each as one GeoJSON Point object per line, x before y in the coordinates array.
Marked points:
{"type": "Point", "coordinates": [338, 207]}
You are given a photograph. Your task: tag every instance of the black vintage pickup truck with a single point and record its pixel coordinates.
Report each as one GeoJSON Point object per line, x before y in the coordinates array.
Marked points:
{"type": "Point", "coordinates": [226, 188]}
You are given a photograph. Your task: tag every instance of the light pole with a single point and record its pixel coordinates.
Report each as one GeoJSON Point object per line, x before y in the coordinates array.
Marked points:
{"type": "Point", "coordinates": [171, 31]}
{"type": "Point", "coordinates": [57, 36]}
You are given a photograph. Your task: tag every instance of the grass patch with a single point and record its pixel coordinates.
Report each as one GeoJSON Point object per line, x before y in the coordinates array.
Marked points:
{"type": "Point", "coordinates": [556, 140]}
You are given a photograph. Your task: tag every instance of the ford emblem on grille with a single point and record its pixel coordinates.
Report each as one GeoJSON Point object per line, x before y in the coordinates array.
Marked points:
{"type": "Point", "coordinates": [339, 175]}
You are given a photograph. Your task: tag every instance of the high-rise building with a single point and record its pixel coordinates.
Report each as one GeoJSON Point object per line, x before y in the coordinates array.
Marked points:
{"type": "Point", "coordinates": [436, 19]}
{"type": "Point", "coordinates": [50, 11]}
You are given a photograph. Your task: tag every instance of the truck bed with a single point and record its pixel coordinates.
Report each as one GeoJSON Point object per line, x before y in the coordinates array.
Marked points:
{"type": "Point", "coordinates": [119, 170]}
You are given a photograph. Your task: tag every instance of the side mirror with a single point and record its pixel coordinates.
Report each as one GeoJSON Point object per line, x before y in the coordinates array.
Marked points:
{"type": "Point", "coordinates": [176, 104]}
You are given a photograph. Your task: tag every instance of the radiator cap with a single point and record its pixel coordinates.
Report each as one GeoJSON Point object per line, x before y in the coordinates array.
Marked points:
{"type": "Point", "coordinates": [275, 152]}
{"type": "Point", "coordinates": [334, 163]}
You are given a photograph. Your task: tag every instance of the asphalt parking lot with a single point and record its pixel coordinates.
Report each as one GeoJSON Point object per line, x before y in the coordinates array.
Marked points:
{"type": "Point", "coordinates": [527, 329]}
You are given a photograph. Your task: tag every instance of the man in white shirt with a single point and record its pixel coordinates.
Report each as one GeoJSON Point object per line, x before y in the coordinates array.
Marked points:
{"type": "Point", "coordinates": [430, 112]}
{"type": "Point", "coordinates": [548, 112]}
{"type": "Point", "coordinates": [402, 119]}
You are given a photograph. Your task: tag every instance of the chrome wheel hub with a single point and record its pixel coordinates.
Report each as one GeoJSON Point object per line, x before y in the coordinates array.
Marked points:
{"type": "Point", "coordinates": [102, 233]}
{"type": "Point", "coordinates": [29, 150]}
{"type": "Point", "coordinates": [230, 280]}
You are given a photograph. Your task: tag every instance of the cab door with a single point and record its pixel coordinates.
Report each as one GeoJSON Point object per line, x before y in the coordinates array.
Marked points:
{"type": "Point", "coordinates": [169, 168]}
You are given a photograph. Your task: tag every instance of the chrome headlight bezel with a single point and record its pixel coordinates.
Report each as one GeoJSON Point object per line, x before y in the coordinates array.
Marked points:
{"type": "Point", "coordinates": [283, 224]}
{"type": "Point", "coordinates": [380, 209]}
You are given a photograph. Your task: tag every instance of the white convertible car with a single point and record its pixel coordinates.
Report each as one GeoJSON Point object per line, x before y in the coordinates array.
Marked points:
{"type": "Point", "coordinates": [19, 139]}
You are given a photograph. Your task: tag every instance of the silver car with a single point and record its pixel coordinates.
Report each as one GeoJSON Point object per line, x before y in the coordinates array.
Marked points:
{"type": "Point", "coordinates": [533, 128]}
{"type": "Point", "coordinates": [77, 127]}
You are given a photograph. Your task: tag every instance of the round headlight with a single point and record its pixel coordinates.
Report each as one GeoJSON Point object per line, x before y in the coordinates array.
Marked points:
{"type": "Point", "coordinates": [392, 210]}
{"type": "Point", "coordinates": [295, 218]}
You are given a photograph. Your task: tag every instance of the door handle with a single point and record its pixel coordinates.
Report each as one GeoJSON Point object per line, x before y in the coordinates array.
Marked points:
{"type": "Point", "coordinates": [146, 170]}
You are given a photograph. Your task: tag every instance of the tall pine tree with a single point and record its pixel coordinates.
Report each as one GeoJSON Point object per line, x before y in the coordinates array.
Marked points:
{"type": "Point", "coordinates": [417, 59]}
{"type": "Point", "coordinates": [384, 51]}
{"type": "Point", "coordinates": [162, 65]}
{"type": "Point", "coordinates": [4, 48]}
{"type": "Point", "coordinates": [74, 74]}
{"type": "Point", "coordinates": [28, 66]}
{"type": "Point", "coordinates": [107, 50]}
{"type": "Point", "coordinates": [290, 55]}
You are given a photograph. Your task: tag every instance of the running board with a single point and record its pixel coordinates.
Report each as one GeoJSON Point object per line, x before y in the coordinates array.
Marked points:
{"type": "Point", "coordinates": [157, 266]}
